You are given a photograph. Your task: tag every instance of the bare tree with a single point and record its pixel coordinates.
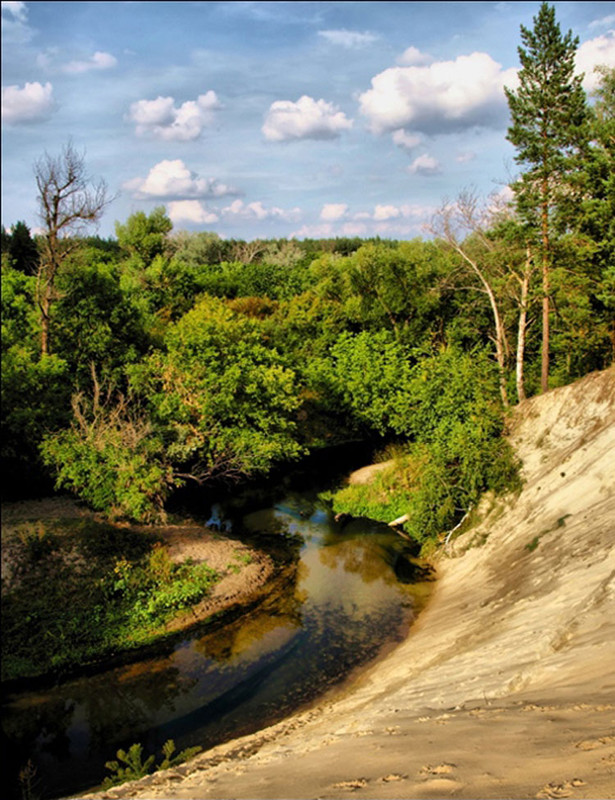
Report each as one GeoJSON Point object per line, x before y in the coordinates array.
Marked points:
{"type": "Point", "coordinates": [69, 200]}
{"type": "Point", "coordinates": [464, 225]}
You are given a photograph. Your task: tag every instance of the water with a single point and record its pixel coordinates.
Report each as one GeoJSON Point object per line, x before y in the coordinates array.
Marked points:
{"type": "Point", "coordinates": [342, 606]}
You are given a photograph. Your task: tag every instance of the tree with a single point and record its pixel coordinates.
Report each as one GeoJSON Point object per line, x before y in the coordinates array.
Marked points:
{"type": "Point", "coordinates": [69, 200]}
{"type": "Point", "coordinates": [549, 114]}
{"type": "Point", "coordinates": [21, 249]}
{"type": "Point", "coordinates": [144, 236]}
{"type": "Point", "coordinates": [225, 402]}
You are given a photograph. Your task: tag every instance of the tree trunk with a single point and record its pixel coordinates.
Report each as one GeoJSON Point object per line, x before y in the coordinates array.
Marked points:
{"type": "Point", "coordinates": [525, 288]}
{"type": "Point", "coordinates": [546, 290]}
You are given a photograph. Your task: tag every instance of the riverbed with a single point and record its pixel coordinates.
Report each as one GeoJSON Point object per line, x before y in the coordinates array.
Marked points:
{"type": "Point", "coordinates": [350, 594]}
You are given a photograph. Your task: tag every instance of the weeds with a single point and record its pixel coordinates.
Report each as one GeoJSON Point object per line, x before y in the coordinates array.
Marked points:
{"type": "Point", "coordinates": [90, 590]}
{"type": "Point", "coordinates": [136, 768]}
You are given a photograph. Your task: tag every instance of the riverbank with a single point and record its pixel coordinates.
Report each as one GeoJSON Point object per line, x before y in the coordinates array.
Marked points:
{"type": "Point", "coordinates": [44, 530]}
{"type": "Point", "coordinates": [505, 686]}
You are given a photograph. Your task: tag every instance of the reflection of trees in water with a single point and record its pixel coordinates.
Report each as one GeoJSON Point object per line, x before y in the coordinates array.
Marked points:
{"type": "Point", "coordinates": [128, 698]}
{"type": "Point", "coordinates": [112, 706]}
{"type": "Point", "coordinates": [364, 557]}
{"type": "Point", "coordinates": [282, 609]}
{"type": "Point", "coordinates": [41, 720]}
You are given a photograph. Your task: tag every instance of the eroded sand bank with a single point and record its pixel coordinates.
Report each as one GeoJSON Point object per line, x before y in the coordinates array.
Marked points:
{"type": "Point", "coordinates": [506, 685]}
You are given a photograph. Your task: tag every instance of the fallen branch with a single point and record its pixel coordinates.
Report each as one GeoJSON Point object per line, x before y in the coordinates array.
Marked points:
{"type": "Point", "coordinates": [457, 526]}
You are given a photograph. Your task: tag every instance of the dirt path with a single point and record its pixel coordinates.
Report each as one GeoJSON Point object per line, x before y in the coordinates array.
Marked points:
{"type": "Point", "coordinates": [506, 685]}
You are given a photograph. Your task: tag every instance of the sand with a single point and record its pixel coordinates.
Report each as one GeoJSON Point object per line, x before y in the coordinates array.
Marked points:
{"type": "Point", "coordinates": [505, 686]}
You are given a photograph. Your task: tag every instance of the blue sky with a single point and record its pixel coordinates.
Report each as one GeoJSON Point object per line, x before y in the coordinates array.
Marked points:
{"type": "Point", "coordinates": [272, 119]}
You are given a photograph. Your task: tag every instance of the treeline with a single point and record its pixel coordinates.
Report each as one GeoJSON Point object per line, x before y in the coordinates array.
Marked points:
{"type": "Point", "coordinates": [134, 364]}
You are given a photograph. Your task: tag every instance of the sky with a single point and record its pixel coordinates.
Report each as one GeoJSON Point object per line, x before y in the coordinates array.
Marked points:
{"type": "Point", "coordinates": [273, 119]}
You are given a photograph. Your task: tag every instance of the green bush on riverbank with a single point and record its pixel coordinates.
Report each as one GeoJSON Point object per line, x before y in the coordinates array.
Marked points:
{"type": "Point", "coordinates": [82, 590]}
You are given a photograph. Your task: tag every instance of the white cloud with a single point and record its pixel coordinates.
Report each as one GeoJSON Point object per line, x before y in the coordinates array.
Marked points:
{"type": "Point", "coordinates": [445, 96]}
{"type": "Point", "coordinates": [98, 61]}
{"type": "Point", "coordinates": [162, 119]}
{"type": "Point", "coordinates": [412, 57]}
{"type": "Point", "coordinates": [466, 157]}
{"type": "Point", "coordinates": [407, 141]}
{"type": "Point", "coordinates": [305, 119]}
{"type": "Point", "coordinates": [382, 212]}
{"type": "Point", "coordinates": [33, 103]}
{"type": "Point", "coordinates": [332, 212]}
{"type": "Point", "coordinates": [15, 27]}
{"type": "Point", "coordinates": [424, 165]}
{"type": "Point", "coordinates": [349, 39]}
{"type": "Point", "coordinates": [604, 22]}
{"type": "Point", "coordinates": [257, 211]}
{"type": "Point", "coordinates": [173, 179]}
{"type": "Point", "coordinates": [590, 54]}
{"type": "Point", "coordinates": [190, 211]}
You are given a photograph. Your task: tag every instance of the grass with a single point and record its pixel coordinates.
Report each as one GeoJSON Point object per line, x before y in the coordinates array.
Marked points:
{"type": "Point", "coordinates": [83, 590]}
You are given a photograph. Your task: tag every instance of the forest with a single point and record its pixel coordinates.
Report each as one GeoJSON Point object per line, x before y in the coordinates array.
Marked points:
{"type": "Point", "coordinates": [159, 358]}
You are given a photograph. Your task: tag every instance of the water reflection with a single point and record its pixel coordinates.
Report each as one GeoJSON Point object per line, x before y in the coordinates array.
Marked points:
{"type": "Point", "coordinates": [343, 603]}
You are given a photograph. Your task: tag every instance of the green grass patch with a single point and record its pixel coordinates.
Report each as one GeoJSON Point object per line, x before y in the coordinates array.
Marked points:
{"type": "Point", "coordinates": [81, 590]}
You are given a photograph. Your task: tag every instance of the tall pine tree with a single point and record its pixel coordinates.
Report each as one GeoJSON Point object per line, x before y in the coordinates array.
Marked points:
{"type": "Point", "coordinates": [549, 114]}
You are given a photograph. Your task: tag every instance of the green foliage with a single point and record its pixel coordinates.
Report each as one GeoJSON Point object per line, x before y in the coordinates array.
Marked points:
{"type": "Point", "coordinates": [21, 249]}
{"type": "Point", "coordinates": [81, 591]}
{"type": "Point", "coordinates": [95, 322]}
{"type": "Point", "coordinates": [111, 458]}
{"type": "Point", "coordinates": [549, 111]}
{"type": "Point", "coordinates": [456, 452]}
{"type": "Point", "coordinates": [144, 236]}
{"type": "Point", "coordinates": [35, 392]}
{"type": "Point", "coordinates": [137, 768]}
{"type": "Point", "coordinates": [370, 373]}
{"type": "Point", "coordinates": [223, 400]}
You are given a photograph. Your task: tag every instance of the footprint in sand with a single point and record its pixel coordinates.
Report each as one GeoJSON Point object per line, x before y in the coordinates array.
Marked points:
{"type": "Point", "coordinates": [555, 790]}
{"type": "Point", "coordinates": [592, 744]}
{"type": "Point", "coordinates": [352, 785]}
{"type": "Point", "coordinates": [438, 769]}
{"type": "Point", "coordinates": [394, 776]}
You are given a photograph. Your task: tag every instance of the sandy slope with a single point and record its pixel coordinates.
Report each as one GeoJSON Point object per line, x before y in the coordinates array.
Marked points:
{"type": "Point", "coordinates": [506, 685]}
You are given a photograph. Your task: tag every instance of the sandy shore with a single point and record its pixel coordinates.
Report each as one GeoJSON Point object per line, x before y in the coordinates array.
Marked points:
{"type": "Point", "coordinates": [505, 687]}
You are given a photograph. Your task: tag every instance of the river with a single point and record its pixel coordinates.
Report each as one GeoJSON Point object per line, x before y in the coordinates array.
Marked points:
{"type": "Point", "coordinates": [350, 599]}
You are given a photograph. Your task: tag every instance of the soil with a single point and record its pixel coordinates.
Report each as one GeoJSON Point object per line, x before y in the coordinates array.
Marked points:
{"type": "Point", "coordinates": [505, 686]}
{"type": "Point", "coordinates": [247, 573]}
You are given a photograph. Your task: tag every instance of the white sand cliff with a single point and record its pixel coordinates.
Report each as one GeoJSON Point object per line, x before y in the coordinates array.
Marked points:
{"type": "Point", "coordinates": [505, 686]}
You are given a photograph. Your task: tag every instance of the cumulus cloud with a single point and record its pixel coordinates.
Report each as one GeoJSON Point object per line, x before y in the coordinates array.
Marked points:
{"type": "Point", "coordinates": [412, 57]}
{"type": "Point", "coordinates": [257, 211]}
{"type": "Point", "coordinates": [191, 211]}
{"type": "Point", "coordinates": [305, 119]}
{"type": "Point", "coordinates": [592, 53]}
{"type": "Point", "coordinates": [407, 141]}
{"type": "Point", "coordinates": [173, 179]}
{"type": "Point", "coordinates": [162, 119]}
{"type": "Point", "coordinates": [98, 61]}
{"type": "Point", "coordinates": [446, 96]}
{"type": "Point", "coordinates": [384, 212]}
{"type": "Point", "coordinates": [326, 230]}
{"type": "Point", "coordinates": [349, 39]}
{"type": "Point", "coordinates": [33, 103]}
{"type": "Point", "coordinates": [603, 22]}
{"type": "Point", "coordinates": [15, 28]}
{"type": "Point", "coordinates": [332, 212]}
{"type": "Point", "coordinates": [424, 165]}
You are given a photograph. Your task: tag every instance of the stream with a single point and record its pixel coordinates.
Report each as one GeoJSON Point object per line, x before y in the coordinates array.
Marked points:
{"type": "Point", "coordinates": [350, 599]}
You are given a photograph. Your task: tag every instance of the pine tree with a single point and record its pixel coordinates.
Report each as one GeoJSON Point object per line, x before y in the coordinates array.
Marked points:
{"type": "Point", "coordinates": [549, 115]}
